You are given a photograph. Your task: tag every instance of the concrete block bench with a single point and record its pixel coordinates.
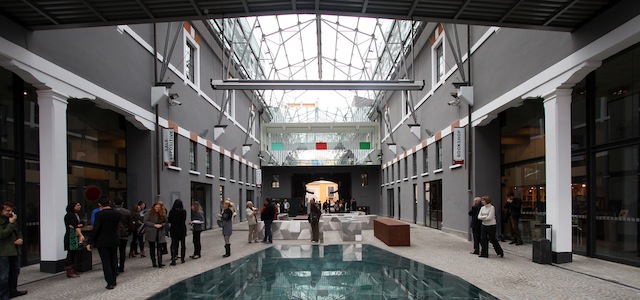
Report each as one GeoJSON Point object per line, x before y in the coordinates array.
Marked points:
{"type": "Point", "coordinates": [392, 232]}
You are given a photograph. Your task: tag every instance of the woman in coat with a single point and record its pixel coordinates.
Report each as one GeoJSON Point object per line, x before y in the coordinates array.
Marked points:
{"type": "Point", "coordinates": [155, 221]}
{"type": "Point", "coordinates": [252, 220]}
{"type": "Point", "coordinates": [487, 215]}
{"type": "Point", "coordinates": [72, 237]}
{"type": "Point", "coordinates": [314, 219]}
{"type": "Point", "coordinates": [197, 221]}
{"type": "Point", "coordinates": [177, 230]}
{"type": "Point", "coordinates": [227, 219]}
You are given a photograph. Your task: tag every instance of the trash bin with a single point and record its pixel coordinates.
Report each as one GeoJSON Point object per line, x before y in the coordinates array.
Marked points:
{"type": "Point", "coordinates": [542, 246]}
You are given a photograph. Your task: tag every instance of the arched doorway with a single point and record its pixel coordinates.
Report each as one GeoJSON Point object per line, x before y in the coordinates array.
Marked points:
{"type": "Point", "coordinates": [323, 191]}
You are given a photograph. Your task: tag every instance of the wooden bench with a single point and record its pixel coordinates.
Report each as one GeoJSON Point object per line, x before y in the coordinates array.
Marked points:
{"type": "Point", "coordinates": [392, 232]}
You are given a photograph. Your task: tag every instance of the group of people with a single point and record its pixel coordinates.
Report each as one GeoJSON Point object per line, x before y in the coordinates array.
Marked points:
{"type": "Point", "coordinates": [113, 224]}
{"type": "Point", "coordinates": [340, 205]}
{"type": "Point", "coordinates": [483, 224]}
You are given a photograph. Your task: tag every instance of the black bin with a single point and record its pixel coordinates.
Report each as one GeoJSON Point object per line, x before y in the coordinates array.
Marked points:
{"type": "Point", "coordinates": [542, 246]}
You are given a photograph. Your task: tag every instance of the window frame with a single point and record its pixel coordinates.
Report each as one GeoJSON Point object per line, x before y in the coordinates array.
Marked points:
{"type": "Point", "coordinates": [190, 43]}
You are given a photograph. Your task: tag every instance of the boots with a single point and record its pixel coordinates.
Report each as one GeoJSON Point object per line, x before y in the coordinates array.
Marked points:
{"type": "Point", "coordinates": [227, 249]}
{"type": "Point", "coordinates": [132, 253]}
{"type": "Point", "coordinates": [183, 252]}
{"type": "Point", "coordinates": [70, 273]}
{"type": "Point", "coordinates": [160, 264]}
{"type": "Point", "coordinates": [142, 253]}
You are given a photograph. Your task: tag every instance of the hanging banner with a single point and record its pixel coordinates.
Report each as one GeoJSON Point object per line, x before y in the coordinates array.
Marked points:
{"type": "Point", "coordinates": [458, 145]}
{"type": "Point", "coordinates": [168, 147]}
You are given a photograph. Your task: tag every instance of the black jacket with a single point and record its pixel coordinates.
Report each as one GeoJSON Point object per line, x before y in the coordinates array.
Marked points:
{"type": "Point", "coordinates": [514, 207]}
{"type": "Point", "coordinates": [475, 210]}
{"type": "Point", "coordinates": [177, 218]}
{"type": "Point", "coordinates": [105, 229]}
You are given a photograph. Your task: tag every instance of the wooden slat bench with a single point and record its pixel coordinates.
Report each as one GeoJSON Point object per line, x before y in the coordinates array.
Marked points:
{"type": "Point", "coordinates": [392, 232]}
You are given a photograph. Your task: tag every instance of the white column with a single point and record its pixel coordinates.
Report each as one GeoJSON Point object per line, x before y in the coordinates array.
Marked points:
{"type": "Point", "coordinates": [557, 113]}
{"type": "Point", "coordinates": [53, 178]}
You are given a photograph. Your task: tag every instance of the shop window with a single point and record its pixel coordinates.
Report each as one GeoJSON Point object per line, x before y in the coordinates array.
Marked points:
{"type": "Point", "coordinates": [208, 161]}
{"type": "Point", "coordinates": [275, 181]}
{"type": "Point", "coordinates": [221, 165]}
{"type": "Point", "coordinates": [191, 59]}
{"type": "Point", "coordinates": [439, 154]}
{"type": "Point", "coordinates": [425, 160]}
{"type": "Point", "coordinates": [415, 164]}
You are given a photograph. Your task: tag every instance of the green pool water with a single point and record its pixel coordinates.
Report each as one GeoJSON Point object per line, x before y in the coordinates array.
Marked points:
{"type": "Point", "coordinates": [353, 271]}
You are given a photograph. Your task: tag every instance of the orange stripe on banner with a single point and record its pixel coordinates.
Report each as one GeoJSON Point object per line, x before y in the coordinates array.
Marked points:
{"type": "Point", "coordinates": [455, 124]}
{"type": "Point", "coordinates": [438, 135]}
{"type": "Point", "coordinates": [193, 136]}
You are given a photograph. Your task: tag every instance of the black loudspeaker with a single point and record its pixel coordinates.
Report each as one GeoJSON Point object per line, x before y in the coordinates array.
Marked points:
{"type": "Point", "coordinates": [542, 251]}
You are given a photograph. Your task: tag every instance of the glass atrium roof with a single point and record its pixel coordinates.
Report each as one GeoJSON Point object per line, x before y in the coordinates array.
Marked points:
{"type": "Point", "coordinates": [317, 47]}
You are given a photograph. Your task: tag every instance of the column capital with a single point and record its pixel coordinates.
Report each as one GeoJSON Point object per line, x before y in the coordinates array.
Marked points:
{"type": "Point", "coordinates": [558, 94]}
{"type": "Point", "coordinates": [46, 93]}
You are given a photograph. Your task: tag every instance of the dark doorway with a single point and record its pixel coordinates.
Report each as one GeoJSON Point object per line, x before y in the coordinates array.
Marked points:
{"type": "Point", "coordinates": [399, 203]}
{"type": "Point", "coordinates": [300, 181]}
{"type": "Point", "coordinates": [201, 192]}
{"type": "Point", "coordinates": [435, 204]}
{"type": "Point", "coordinates": [415, 203]}
{"type": "Point", "coordinates": [391, 203]}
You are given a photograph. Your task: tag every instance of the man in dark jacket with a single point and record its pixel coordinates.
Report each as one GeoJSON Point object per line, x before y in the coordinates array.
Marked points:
{"type": "Point", "coordinates": [267, 215]}
{"type": "Point", "coordinates": [476, 224]}
{"type": "Point", "coordinates": [105, 238]}
{"type": "Point", "coordinates": [10, 242]}
{"type": "Point", "coordinates": [514, 204]}
{"type": "Point", "coordinates": [124, 230]}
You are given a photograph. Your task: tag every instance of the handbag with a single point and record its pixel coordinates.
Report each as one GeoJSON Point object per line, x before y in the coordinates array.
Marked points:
{"type": "Point", "coordinates": [219, 223]}
{"type": "Point", "coordinates": [73, 239]}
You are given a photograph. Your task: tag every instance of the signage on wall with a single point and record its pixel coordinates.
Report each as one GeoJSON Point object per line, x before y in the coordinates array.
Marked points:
{"type": "Point", "coordinates": [168, 147]}
{"type": "Point", "coordinates": [458, 145]}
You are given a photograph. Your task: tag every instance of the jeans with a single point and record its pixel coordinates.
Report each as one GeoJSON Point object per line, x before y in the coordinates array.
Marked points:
{"type": "Point", "coordinates": [268, 236]}
{"type": "Point", "coordinates": [122, 250]}
{"type": "Point", "coordinates": [9, 271]}
{"type": "Point", "coordinates": [197, 246]}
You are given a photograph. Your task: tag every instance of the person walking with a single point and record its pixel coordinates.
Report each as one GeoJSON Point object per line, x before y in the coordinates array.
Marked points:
{"type": "Point", "coordinates": [487, 215]}
{"type": "Point", "coordinates": [124, 231]}
{"type": "Point", "coordinates": [227, 226]}
{"type": "Point", "coordinates": [197, 223]}
{"type": "Point", "coordinates": [513, 206]}
{"type": "Point", "coordinates": [10, 243]}
{"type": "Point", "coordinates": [314, 219]}
{"type": "Point", "coordinates": [155, 221]}
{"type": "Point", "coordinates": [73, 237]}
{"type": "Point", "coordinates": [177, 231]}
{"type": "Point", "coordinates": [252, 220]}
{"type": "Point", "coordinates": [476, 225]}
{"type": "Point", "coordinates": [267, 215]}
{"type": "Point", "coordinates": [105, 237]}
{"type": "Point", "coordinates": [138, 214]}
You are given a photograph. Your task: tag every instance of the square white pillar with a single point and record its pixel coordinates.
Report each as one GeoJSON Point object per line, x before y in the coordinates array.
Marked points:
{"type": "Point", "coordinates": [557, 113]}
{"type": "Point", "coordinates": [53, 178]}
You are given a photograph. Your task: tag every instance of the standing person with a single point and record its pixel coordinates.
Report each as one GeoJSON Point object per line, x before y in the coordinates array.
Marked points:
{"type": "Point", "coordinates": [197, 221]}
{"type": "Point", "coordinates": [178, 231]}
{"type": "Point", "coordinates": [314, 219]}
{"type": "Point", "coordinates": [133, 247]}
{"type": "Point", "coordinates": [72, 237]}
{"type": "Point", "coordinates": [105, 237]}
{"type": "Point", "coordinates": [124, 230]}
{"type": "Point", "coordinates": [10, 242]}
{"type": "Point", "coordinates": [487, 215]}
{"type": "Point", "coordinates": [476, 225]}
{"type": "Point", "coordinates": [227, 226]}
{"type": "Point", "coordinates": [286, 205]}
{"type": "Point", "coordinates": [354, 204]}
{"type": "Point", "coordinates": [514, 204]}
{"type": "Point", "coordinates": [138, 234]}
{"type": "Point", "coordinates": [154, 223]}
{"type": "Point", "coordinates": [267, 215]}
{"type": "Point", "coordinates": [252, 220]}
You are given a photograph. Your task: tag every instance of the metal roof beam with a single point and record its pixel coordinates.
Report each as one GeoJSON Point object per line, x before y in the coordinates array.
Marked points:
{"type": "Point", "coordinates": [388, 85]}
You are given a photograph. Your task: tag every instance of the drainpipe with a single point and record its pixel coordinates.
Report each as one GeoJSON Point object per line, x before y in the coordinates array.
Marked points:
{"type": "Point", "coordinates": [469, 137]}
{"type": "Point", "coordinates": [155, 77]}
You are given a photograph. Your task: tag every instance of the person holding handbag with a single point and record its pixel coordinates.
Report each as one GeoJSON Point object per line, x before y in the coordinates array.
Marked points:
{"type": "Point", "coordinates": [73, 237]}
{"type": "Point", "coordinates": [227, 226]}
{"type": "Point", "coordinates": [155, 223]}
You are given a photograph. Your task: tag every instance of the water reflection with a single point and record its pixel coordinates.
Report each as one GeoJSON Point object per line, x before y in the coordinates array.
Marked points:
{"type": "Point", "coordinates": [323, 272]}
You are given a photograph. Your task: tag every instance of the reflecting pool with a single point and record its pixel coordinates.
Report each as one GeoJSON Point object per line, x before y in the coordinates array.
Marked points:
{"type": "Point", "coordinates": [354, 271]}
